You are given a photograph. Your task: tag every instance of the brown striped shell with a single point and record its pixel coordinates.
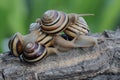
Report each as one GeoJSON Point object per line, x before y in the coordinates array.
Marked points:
{"type": "Point", "coordinates": [16, 44]}
{"type": "Point", "coordinates": [34, 52]}
{"type": "Point", "coordinates": [54, 21]}
{"type": "Point", "coordinates": [80, 27]}
{"type": "Point", "coordinates": [40, 37]}
{"type": "Point", "coordinates": [44, 39]}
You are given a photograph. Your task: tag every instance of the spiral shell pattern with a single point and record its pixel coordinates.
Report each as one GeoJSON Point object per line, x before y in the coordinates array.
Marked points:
{"type": "Point", "coordinates": [34, 52]}
{"type": "Point", "coordinates": [16, 44]}
{"type": "Point", "coordinates": [54, 21]}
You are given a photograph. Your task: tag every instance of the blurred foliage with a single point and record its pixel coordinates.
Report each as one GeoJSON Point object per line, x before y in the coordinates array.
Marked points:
{"type": "Point", "coordinates": [12, 18]}
{"type": "Point", "coordinates": [16, 15]}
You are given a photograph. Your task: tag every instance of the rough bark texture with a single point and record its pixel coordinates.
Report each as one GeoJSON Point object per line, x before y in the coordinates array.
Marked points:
{"type": "Point", "coordinates": [76, 64]}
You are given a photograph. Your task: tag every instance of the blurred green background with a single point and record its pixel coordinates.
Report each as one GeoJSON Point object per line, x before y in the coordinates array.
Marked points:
{"type": "Point", "coordinates": [16, 15]}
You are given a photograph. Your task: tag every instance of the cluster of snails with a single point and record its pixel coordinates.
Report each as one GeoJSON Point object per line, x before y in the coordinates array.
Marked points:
{"type": "Point", "coordinates": [45, 38]}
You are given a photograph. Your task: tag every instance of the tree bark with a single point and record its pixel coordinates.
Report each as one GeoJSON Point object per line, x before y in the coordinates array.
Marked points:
{"type": "Point", "coordinates": [94, 63]}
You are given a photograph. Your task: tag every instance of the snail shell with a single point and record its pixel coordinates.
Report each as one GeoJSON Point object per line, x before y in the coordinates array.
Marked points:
{"type": "Point", "coordinates": [44, 39]}
{"type": "Point", "coordinates": [79, 27]}
{"type": "Point", "coordinates": [34, 52]}
{"type": "Point", "coordinates": [34, 26]}
{"type": "Point", "coordinates": [16, 44]}
{"type": "Point", "coordinates": [53, 21]}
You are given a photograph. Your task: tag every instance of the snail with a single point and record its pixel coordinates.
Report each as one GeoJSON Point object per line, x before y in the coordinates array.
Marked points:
{"type": "Point", "coordinates": [34, 52]}
{"type": "Point", "coordinates": [53, 22]}
{"type": "Point", "coordinates": [18, 41]}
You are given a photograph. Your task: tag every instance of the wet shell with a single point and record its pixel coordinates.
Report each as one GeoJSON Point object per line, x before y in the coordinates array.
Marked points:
{"type": "Point", "coordinates": [34, 52]}
{"type": "Point", "coordinates": [54, 21]}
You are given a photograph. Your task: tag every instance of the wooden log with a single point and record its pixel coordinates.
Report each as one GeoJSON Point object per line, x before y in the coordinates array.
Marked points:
{"type": "Point", "coordinates": [77, 64]}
